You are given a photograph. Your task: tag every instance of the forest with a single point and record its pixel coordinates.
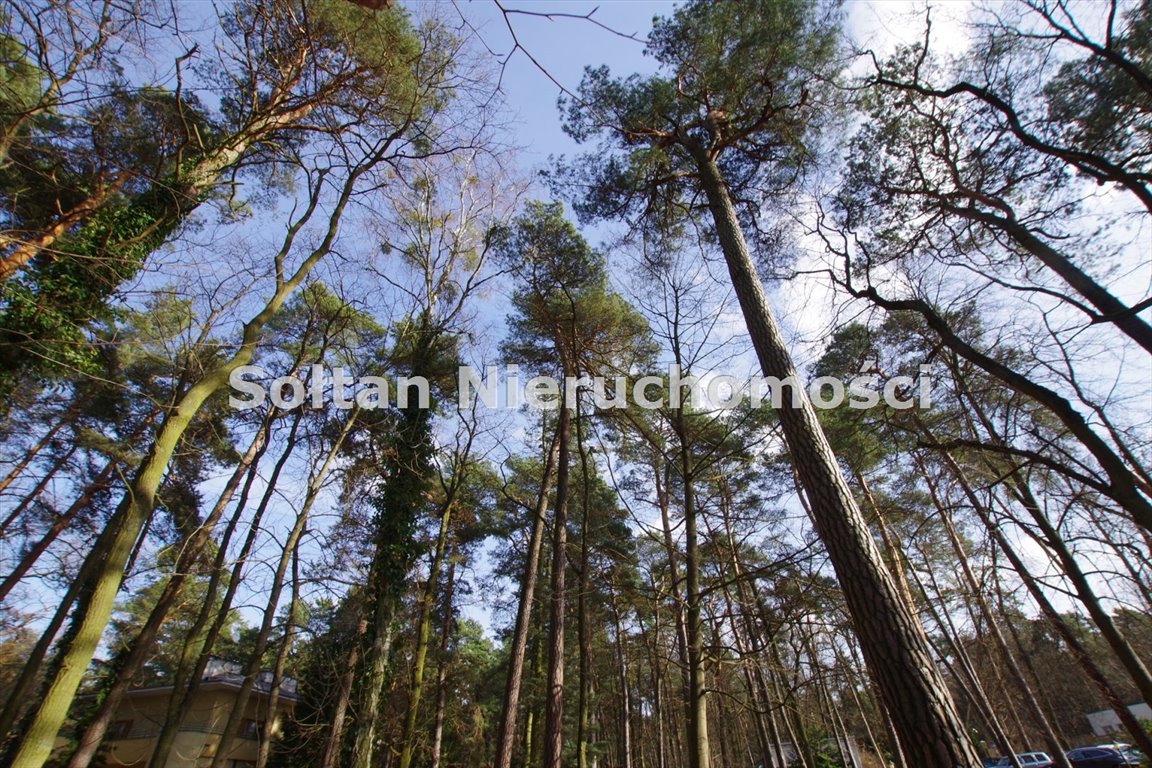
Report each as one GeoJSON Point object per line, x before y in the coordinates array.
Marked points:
{"type": "Point", "coordinates": [338, 430]}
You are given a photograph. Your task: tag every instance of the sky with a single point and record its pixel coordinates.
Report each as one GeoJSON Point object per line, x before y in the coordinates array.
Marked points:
{"type": "Point", "coordinates": [563, 46]}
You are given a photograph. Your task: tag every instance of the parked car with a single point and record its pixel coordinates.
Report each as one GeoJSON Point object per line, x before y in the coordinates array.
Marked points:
{"type": "Point", "coordinates": [1108, 756]}
{"type": "Point", "coordinates": [1026, 760]}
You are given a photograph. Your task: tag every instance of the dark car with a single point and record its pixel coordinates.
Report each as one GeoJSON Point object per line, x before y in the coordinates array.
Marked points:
{"type": "Point", "coordinates": [1104, 757]}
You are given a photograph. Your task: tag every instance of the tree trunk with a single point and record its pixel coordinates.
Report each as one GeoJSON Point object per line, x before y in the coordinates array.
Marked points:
{"type": "Point", "coordinates": [1021, 491]}
{"type": "Point", "coordinates": [506, 735]}
{"type": "Point", "coordinates": [423, 633]}
{"type": "Point", "coordinates": [583, 630]}
{"type": "Point", "coordinates": [94, 609]}
{"type": "Point", "coordinates": [99, 482]}
{"type": "Point", "coordinates": [699, 750]}
{"type": "Point", "coordinates": [287, 556]}
{"type": "Point", "coordinates": [211, 618]}
{"type": "Point", "coordinates": [141, 645]}
{"type": "Point", "coordinates": [554, 702]}
{"type": "Point", "coordinates": [31, 454]}
{"type": "Point", "coordinates": [1055, 748]}
{"type": "Point", "coordinates": [1136, 731]}
{"type": "Point", "coordinates": [894, 645]}
{"type": "Point", "coordinates": [265, 746]}
{"type": "Point", "coordinates": [37, 489]}
{"type": "Point", "coordinates": [442, 665]}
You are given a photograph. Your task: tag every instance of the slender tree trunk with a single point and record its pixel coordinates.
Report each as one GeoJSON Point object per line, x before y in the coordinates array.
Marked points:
{"type": "Point", "coordinates": [343, 700]}
{"type": "Point", "coordinates": [1111, 309]}
{"type": "Point", "coordinates": [267, 730]}
{"type": "Point", "coordinates": [1052, 741]}
{"type": "Point", "coordinates": [554, 702]}
{"type": "Point", "coordinates": [891, 549]}
{"type": "Point", "coordinates": [894, 645]}
{"type": "Point", "coordinates": [974, 686]}
{"type": "Point", "coordinates": [29, 558]}
{"type": "Point", "coordinates": [583, 630]}
{"type": "Point", "coordinates": [1136, 731]}
{"type": "Point", "coordinates": [423, 633]}
{"type": "Point", "coordinates": [1124, 486]}
{"type": "Point", "coordinates": [442, 665]}
{"type": "Point", "coordinates": [699, 750]}
{"type": "Point", "coordinates": [625, 688]}
{"type": "Point", "coordinates": [1021, 491]}
{"type": "Point", "coordinates": [37, 489]}
{"type": "Point", "coordinates": [853, 679]}
{"type": "Point", "coordinates": [31, 454]}
{"type": "Point", "coordinates": [507, 731]}
{"type": "Point", "coordinates": [213, 616]}
{"type": "Point", "coordinates": [252, 670]}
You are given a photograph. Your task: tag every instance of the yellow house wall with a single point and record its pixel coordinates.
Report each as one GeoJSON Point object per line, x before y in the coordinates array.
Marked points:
{"type": "Point", "coordinates": [195, 744]}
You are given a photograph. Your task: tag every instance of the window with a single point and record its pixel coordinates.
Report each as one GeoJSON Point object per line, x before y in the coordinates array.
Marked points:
{"type": "Point", "coordinates": [251, 729]}
{"type": "Point", "coordinates": [119, 729]}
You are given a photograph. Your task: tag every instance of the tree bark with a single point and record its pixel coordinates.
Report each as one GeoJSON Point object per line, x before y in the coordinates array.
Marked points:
{"type": "Point", "coordinates": [141, 645]}
{"type": "Point", "coordinates": [894, 645]}
{"type": "Point", "coordinates": [554, 702]}
{"type": "Point", "coordinates": [442, 665]}
{"type": "Point", "coordinates": [506, 734]}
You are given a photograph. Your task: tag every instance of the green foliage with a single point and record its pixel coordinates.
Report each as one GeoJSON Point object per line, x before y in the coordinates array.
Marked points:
{"type": "Point", "coordinates": [566, 319]}
{"type": "Point", "coordinates": [739, 82]}
{"type": "Point", "coordinates": [20, 82]}
{"type": "Point", "coordinates": [169, 644]}
{"type": "Point", "coordinates": [46, 310]}
{"type": "Point", "coordinates": [1100, 107]}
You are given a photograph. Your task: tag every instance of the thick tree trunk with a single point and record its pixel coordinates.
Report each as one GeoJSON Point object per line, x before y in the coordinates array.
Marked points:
{"type": "Point", "coordinates": [401, 500]}
{"type": "Point", "coordinates": [94, 609]}
{"type": "Point", "coordinates": [141, 645]}
{"type": "Point", "coordinates": [894, 645]}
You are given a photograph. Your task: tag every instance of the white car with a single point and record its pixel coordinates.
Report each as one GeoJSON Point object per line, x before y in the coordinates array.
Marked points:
{"type": "Point", "coordinates": [1026, 760]}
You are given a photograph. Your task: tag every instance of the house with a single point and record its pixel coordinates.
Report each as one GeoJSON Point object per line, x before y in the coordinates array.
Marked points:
{"type": "Point", "coordinates": [1105, 722]}
{"type": "Point", "coordinates": [136, 726]}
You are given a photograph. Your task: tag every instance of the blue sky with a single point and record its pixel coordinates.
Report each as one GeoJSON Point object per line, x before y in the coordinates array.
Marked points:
{"type": "Point", "coordinates": [563, 47]}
